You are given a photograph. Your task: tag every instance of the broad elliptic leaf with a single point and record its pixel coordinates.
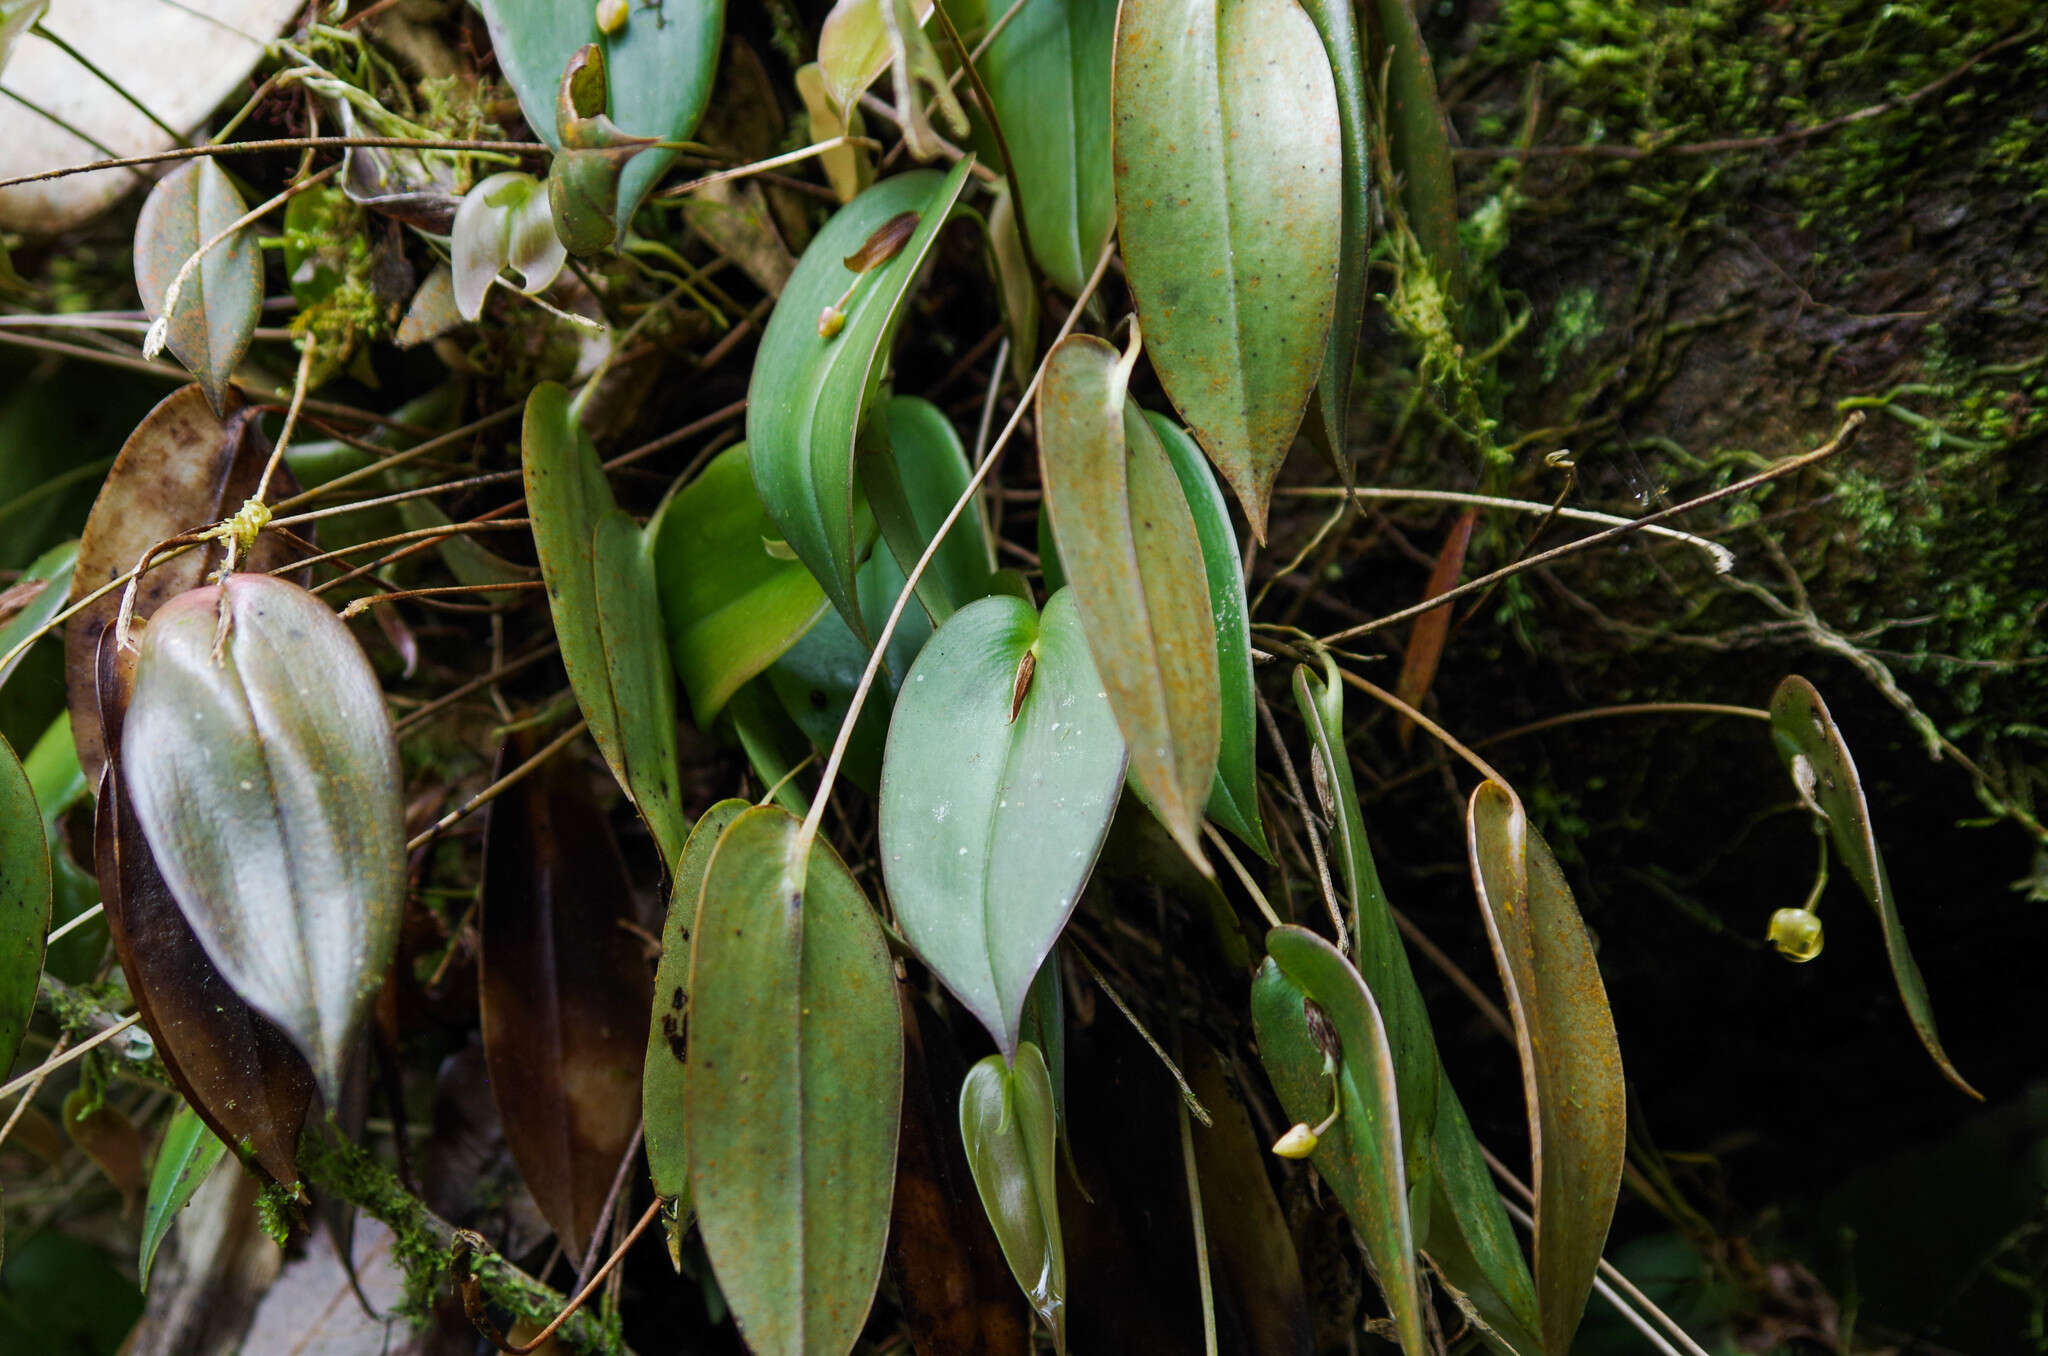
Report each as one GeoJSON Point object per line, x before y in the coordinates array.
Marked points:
{"type": "Point", "coordinates": [504, 222]}
{"type": "Point", "coordinates": [607, 611]}
{"type": "Point", "coordinates": [1571, 1064]}
{"type": "Point", "coordinates": [1360, 1155]}
{"type": "Point", "coordinates": [266, 783]}
{"type": "Point", "coordinates": [662, 1087]}
{"type": "Point", "coordinates": [1337, 21]}
{"type": "Point", "coordinates": [1229, 190]}
{"type": "Point", "coordinates": [188, 1153]}
{"type": "Point", "coordinates": [24, 902]}
{"type": "Point", "coordinates": [240, 1073]}
{"type": "Point", "coordinates": [794, 1088]}
{"type": "Point", "coordinates": [182, 469]}
{"type": "Point", "coordinates": [912, 485]}
{"type": "Point", "coordinates": [811, 390]}
{"type": "Point", "coordinates": [1047, 74]}
{"type": "Point", "coordinates": [732, 605]}
{"type": "Point", "coordinates": [1812, 748]}
{"type": "Point", "coordinates": [660, 66]}
{"type": "Point", "coordinates": [998, 786]}
{"type": "Point", "coordinates": [44, 586]}
{"type": "Point", "coordinates": [1008, 1123]}
{"type": "Point", "coordinates": [214, 318]}
{"type": "Point", "coordinates": [1127, 539]}
{"type": "Point", "coordinates": [1234, 797]}
{"type": "Point", "coordinates": [562, 990]}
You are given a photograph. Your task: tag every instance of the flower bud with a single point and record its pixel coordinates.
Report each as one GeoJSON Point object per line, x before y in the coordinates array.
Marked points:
{"type": "Point", "coordinates": [1298, 1142]}
{"type": "Point", "coordinates": [1796, 933]}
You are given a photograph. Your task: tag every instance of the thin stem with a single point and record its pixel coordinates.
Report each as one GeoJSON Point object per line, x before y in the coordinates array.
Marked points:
{"type": "Point", "coordinates": [435, 444]}
{"type": "Point", "coordinates": [1244, 878]}
{"type": "Point", "coordinates": [422, 534]}
{"type": "Point", "coordinates": [66, 929]}
{"type": "Point", "coordinates": [274, 144]}
{"type": "Point", "coordinates": [611, 1203]}
{"type": "Point", "coordinates": [36, 1074]}
{"type": "Point", "coordinates": [618, 1255]}
{"type": "Point", "coordinates": [809, 831]}
{"type": "Point", "coordinates": [1783, 468]}
{"type": "Point", "coordinates": [1187, 1093]}
{"type": "Point", "coordinates": [300, 381]}
{"type": "Point", "coordinates": [110, 82]}
{"type": "Point", "coordinates": [56, 485]}
{"type": "Point", "coordinates": [1430, 727]}
{"type": "Point", "coordinates": [1724, 559]}
{"type": "Point", "coordinates": [370, 600]}
{"type": "Point", "coordinates": [449, 698]}
{"type": "Point", "coordinates": [79, 132]}
{"type": "Point", "coordinates": [496, 788]}
{"type": "Point", "coordinates": [802, 153]}
{"type": "Point", "coordinates": [1201, 1228]}
{"type": "Point", "coordinates": [1315, 839]}
{"type": "Point", "coordinates": [22, 1106]}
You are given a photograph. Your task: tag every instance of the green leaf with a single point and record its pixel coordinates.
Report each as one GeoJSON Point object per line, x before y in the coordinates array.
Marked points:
{"type": "Point", "coordinates": [599, 571]}
{"type": "Point", "coordinates": [266, 783]}
{"type": "Point", "coordinates": [1234, 798]}
{"type": "Point", "coordinates": [732, 607]}
{"type": "Point", "coordinates": [215, 316]}
{"type": "Point", "coordinates": [1418, 143]}
{"type": "Point", "coordinates": [1127, 539]}
{"type": "Point", "coordinates": [1469, 1237]}
{"type": "Point", "coordinates": [1047, 73]}
{"type": "Point", "coordinates": [52, 571]}
{"type": "Point", "coordinates": [810, 393]}
{"type": "Point", "coordinates": [663, 1098]}
{"type": "Point", "coordinates": [794, 1087]}
{"type": "Point", "coordinates": [15, 21]}
{"type": "Point", "coordinates": [188, 1153]}
{"type": "Point", "coordinates": [1337, 21]}
{"type": "Point", "coordinates": [660, 67]}
{"type": "Point", "coordinates": [1814, 753]}
{"type": "Point", "coordinates": [773, 744]}
{"type": "Point", "coordinates": [1360, 1155]}
{"type": "Point", "coordinates": [24, 902]}
{"type": "Point", "coordinates": [59, 785]}
{"type": "Point", "coordinates": [995, 801]}
{"type": "Point", "coordinates": [1009, 1126]}
{"type": "Point", "coordinates": [853, 47]}
{"type": "Point", "coordinates": [1571, 1064]}
{"type": "Point", "coordinates": [1229, 190]}
{"type": "Point", "coordinates": [912, 485]}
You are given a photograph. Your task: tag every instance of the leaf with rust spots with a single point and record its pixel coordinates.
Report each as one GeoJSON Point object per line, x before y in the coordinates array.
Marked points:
{"type": "Point", "coordinates": [563, 990]}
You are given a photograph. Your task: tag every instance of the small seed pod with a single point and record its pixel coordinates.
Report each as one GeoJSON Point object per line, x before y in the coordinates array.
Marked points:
{"type": "Point", "coordinates": [1298, 1142]}
{"type": "Point", "coordinates": [1796, 933]}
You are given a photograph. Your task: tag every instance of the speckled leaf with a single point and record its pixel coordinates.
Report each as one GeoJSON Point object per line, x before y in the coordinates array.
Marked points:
{"type": "Point", "coordinates": [1008, 1122]}
{"type": "Point", "coordinates": [810, 393]}
{"type": "Point", "coordinates": [996, 796]}
{"type": "Point", "coordinates": [188, 1153]}
{"type": "Point", "coordinates": [1127, 539]}
{"type": "Point", "coordinates": [1360, 1155]}
{"type": "Point", "coordinates": [1804, 732]}
{"type": "Point", "coordinates": [1047, 73]}
{"type": "Point", "coordinates": [42, 587]}
{"type": "Point", "coordinates": [1229, 188]}
{"type": "Point", "coordinates": [794, 1088]}
{"type": "Point", "coordinates": [1234, 797]}
{"type": "Point", "coordinates": [266, 784]}
{"type": "Point", "coordinates": [663, 1108]}
{"type": "Point", "coordinates": [661, 66]}
{"type": "Point", "coordinates": [1337, 21]}
{"type": "Point", "coordinates": [1571, 1064]}
{"type": "Point", "coordinates": [732, 607]}
{"type": "Point", "coordinates": [607, 613]}
{"type": "Point", "coordinates": [215, 317]}
{"type": "Point", "coordinates": [562, 990]}
{"type": "Point", "coordinates": [24, 902]}
{"type": "Point", "coordinates": [235, 1069]}
{"type": "Point", "coordinates": [182, 469]}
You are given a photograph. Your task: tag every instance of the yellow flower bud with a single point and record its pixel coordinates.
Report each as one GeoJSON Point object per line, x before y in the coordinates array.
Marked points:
{"type": "Point", "coordinates": [611, 17]}
{"type": "Point", "coordinates": [831, 320]}
{"type": "Point", "coordinates": [1298, 1142]}
{"type": "Point", "coordinates": [1796, 933]}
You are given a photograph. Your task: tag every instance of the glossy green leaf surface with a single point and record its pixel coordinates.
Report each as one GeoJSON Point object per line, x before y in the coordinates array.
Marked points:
{"type": "Point", "coordinates": [732, 607]}
{"type": "Point", "coordinates": [1361, 1154]}
{"type": "Point", "coordinates": [1814, 753]}
{"type": "Point", "coordinates": [1047, 74]}
{"type": "Point", "coordinates": [1469, 1237]}
{"type": "Point", "coordinates": [1229, 188]}
{"type": "Point", "coordinates": [1008, 1123]}
{"type": "Point", "coordinates": [660, 67]}
{"type": "Point", "coordinates": [601, 589]}
{"type": "Point", "coordinates": [1234, 797]}
{"type": "Point", "coordinates": [912, 485]}
{"type": "Point", "coordinates": [1571, 1064]}
{"type": "Point", "coordinates": [267, 787]}
{"type": "Point", "coordinates": [1337, 22]}
{"type": "Point", "coordinates": [52, 570]}
{"type": "Point", "coordinates": [188, 1153]}
{"type": "Point", "coordinates": [794, 1088]}
{"type": "Point", "coordinates": [215, 316]}
{"type": "Point", "coordinates": [994, 808]}
{"type": "Point", "coordinates": [1127, 539]}
{"type": "Point", "coordinates": [810, 393]}
{"type": "Point", "coordinates": [664, 1109]}
{"type": "Point", "coordinates": [24, 902]}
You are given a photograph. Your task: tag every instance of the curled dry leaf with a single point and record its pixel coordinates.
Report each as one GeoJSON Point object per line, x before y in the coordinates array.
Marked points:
{"type": "Point", "coordinates": [265, 779]}
{"type": "Point", "coordinates": [563, 990]}
{"type": "Point", "coordinates": [184, 468]}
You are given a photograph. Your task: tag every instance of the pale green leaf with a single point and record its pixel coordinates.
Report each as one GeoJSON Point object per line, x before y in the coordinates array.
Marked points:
{"type": "Point", "coordinates": [1008, 1122]}
{"type": "Point", "coordinates": [188, 1153]}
